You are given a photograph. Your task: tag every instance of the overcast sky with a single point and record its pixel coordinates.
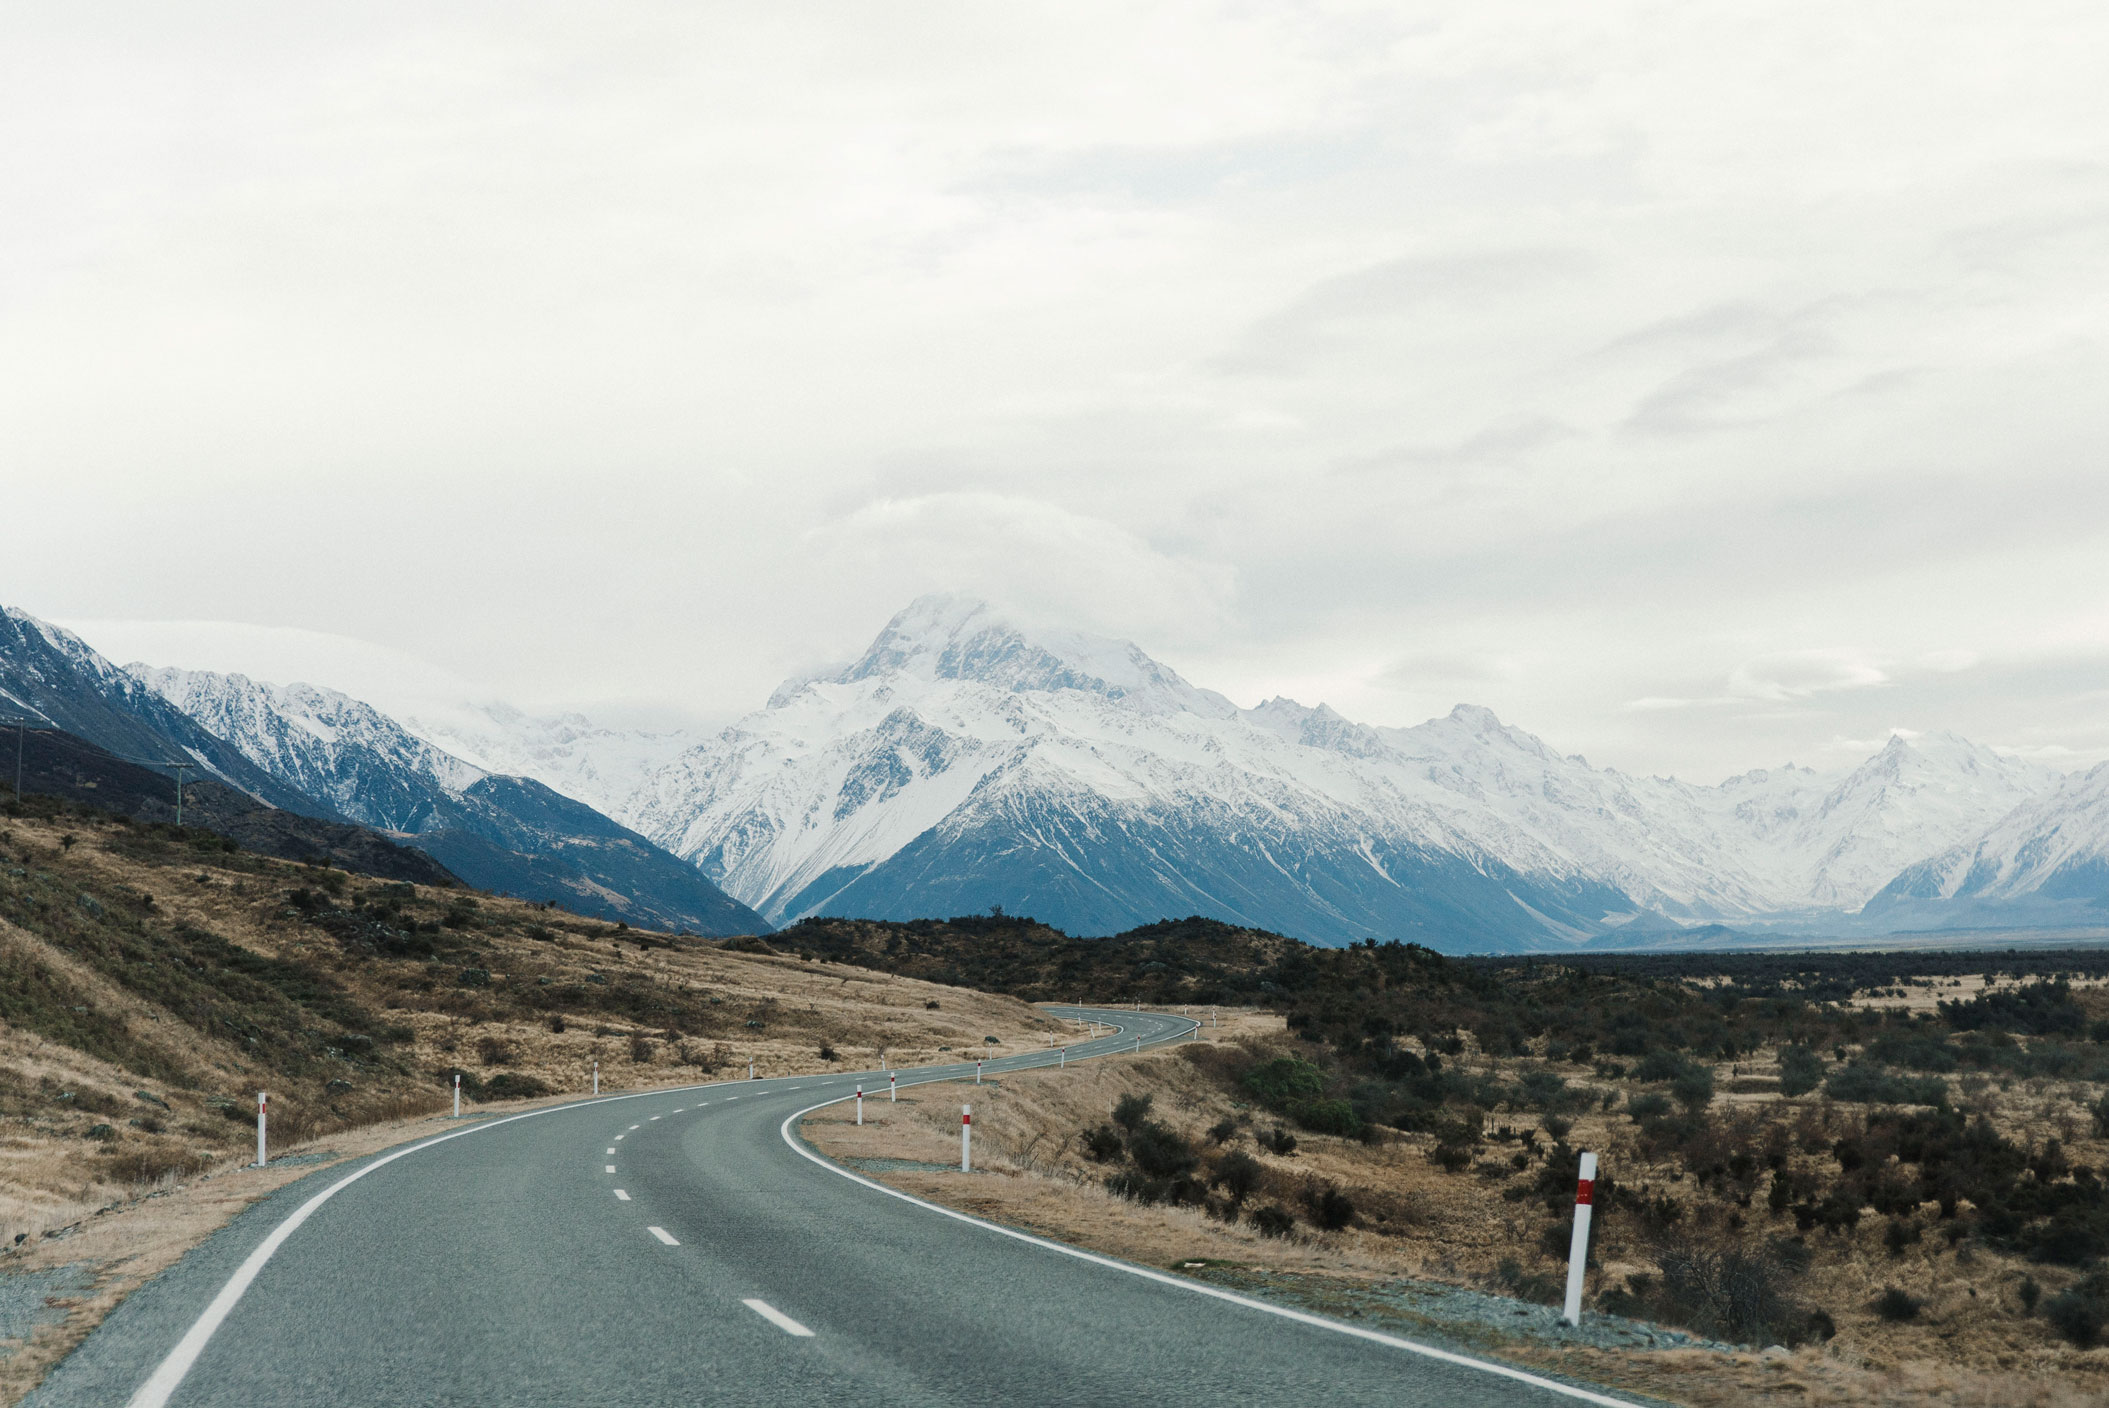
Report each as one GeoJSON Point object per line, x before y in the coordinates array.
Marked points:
{"type": "Point", "coordinates": [1700, 386]}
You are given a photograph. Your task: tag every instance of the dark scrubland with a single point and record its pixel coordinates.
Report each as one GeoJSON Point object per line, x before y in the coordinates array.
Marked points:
{"type": "Point", "coordinates": [1904, 1144]}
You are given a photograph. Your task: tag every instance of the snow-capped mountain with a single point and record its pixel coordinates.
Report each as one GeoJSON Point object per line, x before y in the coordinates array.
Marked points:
{"type": "Point", "coordinates": [569, 753]}
{"type": "Point", "coordinates": [328, 745]}
{"type": "Point", "coordinates": [50, 674]}
{"type": "Point", "coordinates": [2049, 858]}
{"type": "Point", "coordinates": [497, 832]}
{"type": "Point", "coordinates": [962, 762]}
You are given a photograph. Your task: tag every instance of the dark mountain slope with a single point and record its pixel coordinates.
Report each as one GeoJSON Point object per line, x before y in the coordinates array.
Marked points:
{"type": "Point", "coordinates": [517, 837]}
{"type": "Point", "coordinates": [56, 764]}
{"type": "Point", "coordinates": [1090, 867]}
{"type": "Point", "coordinates": [52, 675]}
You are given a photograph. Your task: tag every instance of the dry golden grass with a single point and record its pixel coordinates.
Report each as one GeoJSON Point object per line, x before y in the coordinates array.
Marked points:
{"type": "Point", "coordinates": [1969, 1346]}
{"type": "Point", "coordinates": [166, 1171]}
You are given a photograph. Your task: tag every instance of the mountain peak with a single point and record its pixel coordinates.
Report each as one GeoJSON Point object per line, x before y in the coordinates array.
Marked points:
{"type": "Point", "coordinates": [947, 636]}
{"type": "Point", "coordinates": [1478, 716]}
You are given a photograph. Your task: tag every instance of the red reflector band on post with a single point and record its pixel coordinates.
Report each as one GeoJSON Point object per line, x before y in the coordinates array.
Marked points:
{"type": "Point", "coordinates": [1584, 1191]}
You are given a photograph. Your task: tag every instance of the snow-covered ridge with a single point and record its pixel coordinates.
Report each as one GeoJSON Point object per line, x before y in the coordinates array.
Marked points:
{"type": "Point", "coordinates": [955, 717]}
{"type": "Point", "coordinates": [327, 744]}
{"type": "Point", "coordinates": [964, 760]}
{"type": "Point", "coordinates": [569, 753]}
{"type": "Point", "coordinates": [2054, 847]}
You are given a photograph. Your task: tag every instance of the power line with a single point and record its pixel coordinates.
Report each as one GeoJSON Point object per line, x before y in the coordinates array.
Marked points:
{"type": "Point", "coordinates": [21, 724]}
{"type": "Point", "coordinates": [177, 770]}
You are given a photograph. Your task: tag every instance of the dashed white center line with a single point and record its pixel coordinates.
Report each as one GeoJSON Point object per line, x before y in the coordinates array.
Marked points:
{"type": "Point", "coordinates": [655, 1117]}
{"type": "Point", "coordinates": [611, 1149]}
{"type": "Point", "coordinates": [620, 1137]}
{"type": "Point", "coordinates": [625, 1197]}
{"type": "Point", "coordinates": [776, 1317]}
{"type": "Point", "coordinates": [682, 1111]}
{"type": "Point", "coordinates": [732, 1097]}
{"type": "Point", "coordinates": [611, 1168]}
{"type": "Point", "coordinates": [637, 1126]}
{"type": "Point", "coordinates": [663, 1235]}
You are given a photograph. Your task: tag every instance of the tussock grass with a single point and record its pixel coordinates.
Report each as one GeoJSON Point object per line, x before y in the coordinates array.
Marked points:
{"type": "Point", "coordinates": [136, 959]}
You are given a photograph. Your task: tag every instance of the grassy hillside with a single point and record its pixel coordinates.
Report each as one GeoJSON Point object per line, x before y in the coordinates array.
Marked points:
{"type": "Point", "coordinates": [152, 979]}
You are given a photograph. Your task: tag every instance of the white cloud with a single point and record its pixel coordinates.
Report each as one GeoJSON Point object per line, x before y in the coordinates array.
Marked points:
{"type": "Point", "coordinates": [1799, 674]}
{"type": "Point", "coordinates": [644, 354]}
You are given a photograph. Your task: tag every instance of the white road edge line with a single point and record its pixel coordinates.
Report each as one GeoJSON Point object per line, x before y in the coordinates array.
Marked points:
{"type": "Point", "coordinates": [625, 1197]}
{"type": "Point", "coordinates": [777, 1318]}
{"type": "Point", "coordinates": [663, 1235]}
{"type": "Point", "coordinates": [1195, 1287]}
{"type": "Point", "coordinates": [168, 1376]}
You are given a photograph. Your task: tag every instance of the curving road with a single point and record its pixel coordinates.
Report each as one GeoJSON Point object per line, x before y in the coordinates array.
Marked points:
{"type": "Point", "coordinates": [681, 1247]}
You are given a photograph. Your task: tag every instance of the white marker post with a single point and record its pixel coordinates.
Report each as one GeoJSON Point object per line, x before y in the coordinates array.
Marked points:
{"type": "Point", "coordinates": [457, 1095]}
{"type": "Point", "coordinates": [977, 1073]}
{"type": "Point", "coordinates": [750, 1070]}
{"type": "Point", "coordinates": [966, 1138]}
{"type": "Point", "coordinates": [263, 1104]}
{"type": "Point", "coordinates": [893, 1089]}
{"type": "Point", "coordinates": [1138, 1046]}
{"type": "Point", "coordinates": [1578, 1252]}
{"type": "Point", "coordinates": [1063, 1064]}
{"type": "Point", "coordinates": [860, 1104]}
{"type": "Point", "coordinates": [596, 1077]}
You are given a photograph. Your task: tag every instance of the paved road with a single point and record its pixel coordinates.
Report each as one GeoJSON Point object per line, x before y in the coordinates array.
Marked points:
{"type": "Point", "coordinates": [676, 1248]}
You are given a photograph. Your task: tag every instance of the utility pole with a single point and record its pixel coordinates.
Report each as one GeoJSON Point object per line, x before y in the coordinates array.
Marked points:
{"type": "Point", "coordinates": [179, 769]}
{"type": "Point", "coordinates": [20, 723]}
{"type": "Point", "coordinates": [176, 770]}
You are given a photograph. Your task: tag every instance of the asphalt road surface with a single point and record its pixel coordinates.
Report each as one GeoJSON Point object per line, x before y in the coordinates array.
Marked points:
{"type": "Point", "coordinates": [680, 1247]}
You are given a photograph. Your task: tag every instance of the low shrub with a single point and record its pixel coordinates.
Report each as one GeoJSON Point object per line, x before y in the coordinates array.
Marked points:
{"type": "Point", "coordinates": [1284, 1081]}
{"type": "Point", "coordinates": [1103, 1144]}
{"type": "Point", "coordinates": [512, 1085]}
{"type": "Point", "coordinates": [1336, 1117]}
{"type": "Point", "coordinates": [1273, 1220]}
{"type": "Point", "coordinates": [1159, 1152]}
{"type": "Point", "coordinates": [1897, 1306]}
{"type": "Point", "coordinates": [2080, 1313]}
{"type": "Point", "coordinates": [1238, 1175]}
{"type": "Point", "coordinates": [1800, 1070]}
{"type": "Point", "coordinates": [1651, 1106]}
{"type": "Point", "coordinates": [1863, 1084]}
{"type": "Point", "coordinates": [1728, 1293]}
{"type": "Point", "coordinates": [1131, 1110]}
{"type": "Point", "coordinates": [1330, 1208]}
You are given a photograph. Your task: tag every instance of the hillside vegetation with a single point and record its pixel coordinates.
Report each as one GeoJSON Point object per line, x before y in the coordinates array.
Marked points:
{"type": "Point", "coordinates": [154, 978]}
{"type": "Point", "coordinates": [1906, 1151]}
